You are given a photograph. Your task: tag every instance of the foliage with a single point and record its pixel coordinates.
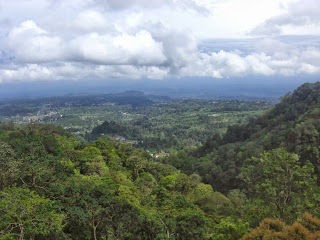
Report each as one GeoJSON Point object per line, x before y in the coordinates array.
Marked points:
{"type": "Point", "coordinates": [277, 181]}
{"type": "Point", "coordinates": [265, 171]}
{"type": "Point", "coordinates": [57, 188]}
{"type": "Point", "coordinates": [24, 214]}
{"type": "Point", "coordinates": [277, 229]}
{"type": "Point", "coordinates": [229, 229]}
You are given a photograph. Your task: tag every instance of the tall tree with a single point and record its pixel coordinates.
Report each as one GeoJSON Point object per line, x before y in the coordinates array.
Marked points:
{"type": "Point", "coordinates": [279, 185]}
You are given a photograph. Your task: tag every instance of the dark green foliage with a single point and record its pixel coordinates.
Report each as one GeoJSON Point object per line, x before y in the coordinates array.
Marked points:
{"type": "Point", "coordinates": [281, 184]}
{"type": "Point", "coordinates": [292, 124]}
{"type": "Point", "coordinates": [112, 128]}
{"type": "Point", "coordinates": [270, 166]}
{"type": "Point", "coordinates": [9, 165]}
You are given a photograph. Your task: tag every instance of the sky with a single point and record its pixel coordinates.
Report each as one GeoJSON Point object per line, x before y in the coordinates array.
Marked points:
{"type": "Point", "coordinates": [52, 40]}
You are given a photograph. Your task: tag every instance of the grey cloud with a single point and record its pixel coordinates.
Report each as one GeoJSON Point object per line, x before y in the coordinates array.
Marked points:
{"type": "Point", "coordinates": [179, 46]}
{"type": "Point", "coordinates": [76, 71]}
{"type": "Point", "coordinates": [125, 4]}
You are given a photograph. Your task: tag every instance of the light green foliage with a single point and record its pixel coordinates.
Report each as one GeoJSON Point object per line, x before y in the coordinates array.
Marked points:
{"type": "Point", "coordinates": [169, 182]}
{"type": "Point", "coordinates": [202, 190]}
{"type": "Point", "coordinates": [89, 153]}
{"type": "Point", "coordinates": [24, 214]}
{"type": "Point", "coordinates": [97, 167]}
{"type": "Point", "coordinates": [128, 194]}
{"type": "Point", "coordinates": [229, 229]}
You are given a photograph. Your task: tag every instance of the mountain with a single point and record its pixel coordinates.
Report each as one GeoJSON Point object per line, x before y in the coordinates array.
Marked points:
{"type": "Point", "coordinates": [293, 124]}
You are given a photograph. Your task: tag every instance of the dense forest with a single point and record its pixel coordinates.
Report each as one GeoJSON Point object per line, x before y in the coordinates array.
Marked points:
{"type": "Point", "coordinates": [259, 180]}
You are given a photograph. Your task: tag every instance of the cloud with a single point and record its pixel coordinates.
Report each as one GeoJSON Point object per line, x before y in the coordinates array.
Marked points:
{"type": "Point", "coordinates": [301, 16]}
{"type": "Point", "coordinates": [138, 49]}
{"type": "Point", "coordinates": [91, 21]}
{"type": "Point", "coordinates": [32, 44]}
{"type": "Point", "coordinates": [271, 57]}
{"type": "Point", "coordinates": [78, 71]}
{"type": "Point", "coordinates": [264, 61]}
{"type": "Point", "coordinates": [102, 42]}
{"type": "Point", "coordinates": [151, 4]}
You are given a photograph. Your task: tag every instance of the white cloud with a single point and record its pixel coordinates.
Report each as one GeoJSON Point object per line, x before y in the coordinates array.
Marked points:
{"type": "Point", "coordinates": [301, 17]}
{"type": "Point", "coordinates": [78, 71]}
{"type": "Point", "coordinates": [151, 39]}
{"type": "Point", "coordinates": [30, 72]}
{"type": "Point", "coordinates": [138, 49]}
{"type": "Point", "coordinates": [91, 21]}
{"type": "Point", "coordinates": [32, 44]}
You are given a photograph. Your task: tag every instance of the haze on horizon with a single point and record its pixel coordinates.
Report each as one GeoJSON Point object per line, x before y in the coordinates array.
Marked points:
{"type": "Point", "coordinates": [154, 40]}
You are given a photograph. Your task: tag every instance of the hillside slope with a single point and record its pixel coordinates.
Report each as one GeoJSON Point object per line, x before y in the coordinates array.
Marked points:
{"type": "Point", "coordinates": [53, 187]}
{"type": "Point", "coordinates": [293, 124]}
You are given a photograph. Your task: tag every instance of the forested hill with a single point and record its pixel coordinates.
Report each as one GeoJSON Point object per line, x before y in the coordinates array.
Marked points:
{"type": "Point", "coordinates": [293, 124]}
{"type": "Point", "coordinates": [53, 187]}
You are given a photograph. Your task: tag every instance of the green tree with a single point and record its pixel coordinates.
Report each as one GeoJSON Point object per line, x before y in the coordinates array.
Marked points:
{"type": "Point", "coordinates": [229, 229]}
{"type": "Point", "coordinates": [191, 225]}
{"type": "Point", "coordinates": [9, 165]}
{"type": "Point", "coordinates": [23, 213]}
{"type": "Point", "coordinates": [277, 181]}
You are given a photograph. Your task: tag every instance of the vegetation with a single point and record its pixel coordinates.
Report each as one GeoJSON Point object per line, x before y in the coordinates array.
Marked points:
{"type": "Point", "coordinates": [259, 180]}
{"type": "Point", "coordinates": [151, 122]}
{"type": "Point", "coordinates": [58, 188]}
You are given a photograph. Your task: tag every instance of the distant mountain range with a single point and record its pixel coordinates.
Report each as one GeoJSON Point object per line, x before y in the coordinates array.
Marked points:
{"type": "Point", "coordinates": [254, 88]}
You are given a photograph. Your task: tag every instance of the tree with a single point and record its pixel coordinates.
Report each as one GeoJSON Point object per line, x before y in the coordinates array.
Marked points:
{"type": "Point", "coordinates": [306, 229]}
{"type": "Point", "coordinates": [9, 165]}
{"type": "Point", "coordinates": [229, 229]}
{"type": "Point", "coordinates": [23, 213]}
{"type": "Point", "coordinates": [191, 225]}
{"type": "Point", "coordinates": [277, 181]}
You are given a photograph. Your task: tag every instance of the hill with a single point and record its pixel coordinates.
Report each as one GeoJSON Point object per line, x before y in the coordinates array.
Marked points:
{"type": "Point", "coordinates": [53, 187]}
{"type": "Point", "coordinates": [293, 124]}
{"type": "Point", "coordinates": [262, 175]}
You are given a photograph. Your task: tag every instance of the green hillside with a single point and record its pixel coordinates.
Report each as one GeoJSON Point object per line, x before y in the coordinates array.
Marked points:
{"type": "Point", "coordinates": [258, 181]}
{"type": "Point", "coordinates": [293, 124]}
{"type": "Point", "coordinates": [53, 187]}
